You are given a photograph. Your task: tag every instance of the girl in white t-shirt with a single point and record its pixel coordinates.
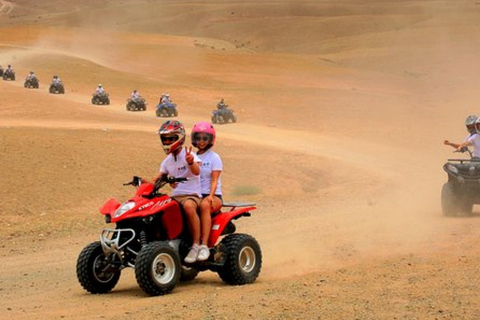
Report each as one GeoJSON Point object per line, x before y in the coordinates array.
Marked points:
{"type": "Point", "coordinates": [203, 138]}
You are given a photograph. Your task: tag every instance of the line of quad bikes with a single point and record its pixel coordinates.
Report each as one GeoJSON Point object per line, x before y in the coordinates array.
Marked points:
{"type": "Point", "coordinates": [218, 116]}
{"type": "Point", "coordinates": [150, 235]}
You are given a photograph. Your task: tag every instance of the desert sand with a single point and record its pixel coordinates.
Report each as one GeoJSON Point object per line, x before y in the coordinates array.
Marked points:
{"type": "Point", "coordinates": [342, 109]}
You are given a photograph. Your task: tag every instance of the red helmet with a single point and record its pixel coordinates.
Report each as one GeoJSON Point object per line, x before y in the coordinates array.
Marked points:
{"type": "Point", "coordinates": [203, 127]}
{"type": "Point", "coordinates": [172, 129]}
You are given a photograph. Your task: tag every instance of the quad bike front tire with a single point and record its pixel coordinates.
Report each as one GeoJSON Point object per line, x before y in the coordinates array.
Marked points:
{"type": "Point", "coordinates": [94, 271]}
{"type": "Point", "coordinates": [243, 259]}
{"type": "Point", "coordinates": [157, 268]}
{"type": "Point", "coordinates": [452, 203]}
{"type": "Point", "coordinates": [214, 119]}
{"type": "Point", "coordinates": [234, 118]}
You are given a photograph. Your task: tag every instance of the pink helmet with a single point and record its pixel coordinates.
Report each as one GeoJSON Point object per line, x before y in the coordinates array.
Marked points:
{"type": "Point", "coordinates": [172, 128]}
{"type": "Point", "coordinates": [203, 127]}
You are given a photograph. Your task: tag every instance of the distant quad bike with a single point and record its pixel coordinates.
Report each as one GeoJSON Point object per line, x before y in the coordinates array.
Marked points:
{"type": "Point", "coordinates": [462, 190]}
{"type": "Point", "coordinates": [223, 116]}
{"type": "Point", "coordinates": [57, 88]}
{"type": "Point", "coordinates": [8, 75]}
{"type": "Point", "coordinates": [100, 98]}
{"type": "Point", "coordinates": [31, 83]}
{"type": "Point", "coordinates": [166, 110]}
{"type": "Point", "coordinates": [136, 104]}
{"type": "Point", "coordinates": [151, 236]}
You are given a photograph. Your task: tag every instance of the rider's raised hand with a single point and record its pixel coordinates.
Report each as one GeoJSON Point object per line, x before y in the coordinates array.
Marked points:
{"type": "Point", "coordinates": [189, 156]}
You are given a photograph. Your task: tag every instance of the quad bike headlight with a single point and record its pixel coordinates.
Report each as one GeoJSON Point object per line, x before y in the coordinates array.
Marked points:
{"type": "Point", "coordinates": [452, 169]}
{"type": "Point", "coordinates": [124, 208]}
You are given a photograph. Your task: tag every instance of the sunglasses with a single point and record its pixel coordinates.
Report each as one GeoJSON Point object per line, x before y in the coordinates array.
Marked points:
{"type": "Point", "coordinates": [202, 138]}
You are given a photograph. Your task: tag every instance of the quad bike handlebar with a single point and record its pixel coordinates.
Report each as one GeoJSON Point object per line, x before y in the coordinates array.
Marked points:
{"type": "Point", "coordinates": [164, 179]}
{"type": "Point", "coordinates": [465, 149]}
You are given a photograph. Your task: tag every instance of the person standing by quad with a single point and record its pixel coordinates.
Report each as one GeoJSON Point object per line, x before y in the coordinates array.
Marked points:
{"type": "Point", "coordinates": [182, 163]}
{"type": "Point", "coordinates": [472, 123]}
{"type": "Point", "coordinates": [203, 138]}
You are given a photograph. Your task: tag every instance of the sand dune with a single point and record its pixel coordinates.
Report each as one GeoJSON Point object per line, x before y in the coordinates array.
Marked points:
{"type": "Point", "coordinates": [342, 109]}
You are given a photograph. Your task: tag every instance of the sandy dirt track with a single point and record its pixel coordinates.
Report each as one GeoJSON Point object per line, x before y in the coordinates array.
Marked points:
{"type": "Point", "coordinates": [342, 108]}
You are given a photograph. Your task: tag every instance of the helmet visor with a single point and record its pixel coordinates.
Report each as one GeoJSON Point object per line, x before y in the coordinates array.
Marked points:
{"type": "Point", "coordinates": [168, 139]}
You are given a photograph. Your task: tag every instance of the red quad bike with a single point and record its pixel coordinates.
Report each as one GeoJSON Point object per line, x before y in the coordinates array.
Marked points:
{"type": "Point", "coordinates": [151, 236]}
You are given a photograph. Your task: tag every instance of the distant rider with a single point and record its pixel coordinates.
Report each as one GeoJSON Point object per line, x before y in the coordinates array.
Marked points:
{"type": "Point", "coordinates": [472, 123]}
{"type": "Point", "coordinates": [165, 99]}
{"type": "Point", "coordinates": [99, 89]}
{"type": "Point", "coordinates": [31, 76]}
{"type": "Point", "coordinates": [135, 95]}
{"type": "Point", "coordinates": [56, 80]}
{"type": "Point", "coordinates": [9, 69]}
{"type": "Point", "coordinates": [221, 105]}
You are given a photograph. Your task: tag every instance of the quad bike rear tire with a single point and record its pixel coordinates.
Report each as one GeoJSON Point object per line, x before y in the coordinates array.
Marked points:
{"type": "Point", "coordinates": [243, 259]}
{"type": "Point", "coordinates": [93, 270]}
{"type": "Point", "coordinates": [157, 268]}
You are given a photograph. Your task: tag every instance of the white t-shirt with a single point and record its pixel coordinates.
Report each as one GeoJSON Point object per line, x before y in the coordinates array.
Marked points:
{"type": "Point", "coordinates": [210, 162]}
{"type": "Point", "coordinates": [180, 169]}
{"type": "Point", "coordinates": [474, 139]}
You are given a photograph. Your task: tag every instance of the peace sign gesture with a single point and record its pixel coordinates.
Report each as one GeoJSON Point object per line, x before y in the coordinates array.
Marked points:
{"type": "Point", "coordinates": [189, 156]}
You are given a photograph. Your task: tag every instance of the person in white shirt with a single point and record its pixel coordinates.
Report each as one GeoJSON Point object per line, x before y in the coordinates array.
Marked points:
{"type": "Point", "coordinates": [472, 123]}
{"type": "Point", "coordinates": [182, 163]}
{"type": "Point", "coordinates": [56, 79]}
{"type": "Point", "coordinates": [100, 89]}
{"type": "Point", "coordinates": [203, 138]}
{"type": "Point", "coordinates": [135, 95]}
{"type": "Point", "coordinates": [31, 75]}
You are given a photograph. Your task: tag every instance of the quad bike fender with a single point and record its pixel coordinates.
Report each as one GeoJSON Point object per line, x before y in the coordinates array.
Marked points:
{"type": "Point", "coordinates": [110, 207]}
{"type": "Point", "coordinates": [220, 221]}
{"type": "Point", "coordinates": [144, 189]}
{"type": "Point", "coordinates": [172, 220]}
